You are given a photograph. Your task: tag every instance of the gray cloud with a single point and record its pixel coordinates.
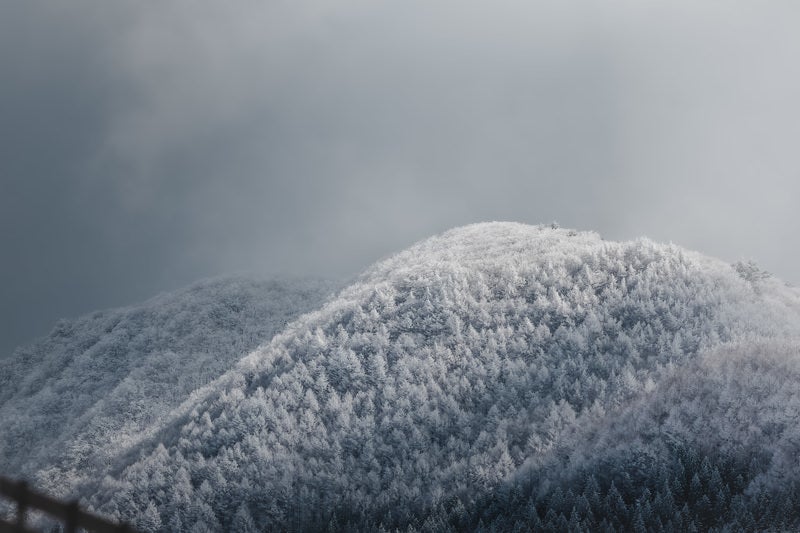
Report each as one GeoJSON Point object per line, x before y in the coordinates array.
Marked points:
{"type": "Point", "coordinates": [145, 145]}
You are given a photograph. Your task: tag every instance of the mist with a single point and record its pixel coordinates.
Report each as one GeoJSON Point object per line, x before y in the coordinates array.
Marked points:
{"type": "Point", "coordinates": [146, 145]}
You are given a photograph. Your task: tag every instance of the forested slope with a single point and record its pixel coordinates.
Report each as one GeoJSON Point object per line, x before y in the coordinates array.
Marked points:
{"type": "Point", "coordinates": [97, 384]}
{"type": "Point", "coordinates": [714, 447]}
{"type": "Point", "coordinates": [464, 382]}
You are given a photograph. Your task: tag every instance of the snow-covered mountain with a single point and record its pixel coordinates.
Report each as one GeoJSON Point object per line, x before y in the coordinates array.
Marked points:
{"type": "Point", "coordinates": [99, 384]}
{"type": "Point", "coordinates": [498, 376]}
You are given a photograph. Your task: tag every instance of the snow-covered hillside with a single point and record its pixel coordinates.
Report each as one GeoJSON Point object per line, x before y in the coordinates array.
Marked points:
{"type": "Point", "coordinates": [97, 385]}
{"type": "Point", "coordinates": [715, 444]}
{"type": "Point", "coordinates": [497, 375]}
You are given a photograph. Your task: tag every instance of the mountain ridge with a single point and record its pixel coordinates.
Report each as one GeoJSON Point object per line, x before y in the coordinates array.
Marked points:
{"type": "Point", "coordinates": [115, 372]}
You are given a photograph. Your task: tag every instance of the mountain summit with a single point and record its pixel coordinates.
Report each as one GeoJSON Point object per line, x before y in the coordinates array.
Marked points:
{"type": "Point", "coordinates": [497, 376]}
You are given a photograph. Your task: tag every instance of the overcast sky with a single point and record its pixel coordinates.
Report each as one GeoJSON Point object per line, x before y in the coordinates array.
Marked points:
{"type": "Point", "coordinates": [144, 145]}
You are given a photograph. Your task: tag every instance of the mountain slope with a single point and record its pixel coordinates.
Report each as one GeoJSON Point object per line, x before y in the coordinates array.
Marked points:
{"type": "Point", "coordinates": [414, 396]}
{"type": "Point", "coordinates": [96, 384]}
{"type": "Point", "coordinates": [715, 446]}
